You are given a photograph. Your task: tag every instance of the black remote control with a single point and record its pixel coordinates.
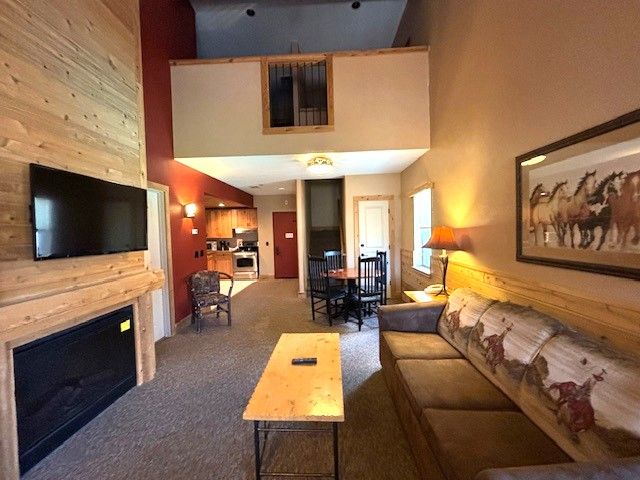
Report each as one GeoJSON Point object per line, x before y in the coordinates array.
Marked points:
{"type": "Point", "coordinates": [304, 361]}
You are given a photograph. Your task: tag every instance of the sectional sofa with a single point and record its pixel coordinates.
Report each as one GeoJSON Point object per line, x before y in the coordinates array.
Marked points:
{"type": "Point", "coordinates": [489, 390]}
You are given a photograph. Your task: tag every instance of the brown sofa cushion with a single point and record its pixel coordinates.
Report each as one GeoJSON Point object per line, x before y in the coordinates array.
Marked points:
{"type": "Point", "coordinates": [419, 345]}
{"type": "Point", "coordinates": [466, 441]}
{"type": "Point", "coordinates": [449, 383]}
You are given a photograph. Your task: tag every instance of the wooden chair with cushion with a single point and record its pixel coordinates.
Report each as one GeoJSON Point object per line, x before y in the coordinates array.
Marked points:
{"type": "Point", "coordinates": [368, 292]}
{"type": "Point", "coordinates": [204, 287]}
{"type": "Point", "coordinates": [325, 297]}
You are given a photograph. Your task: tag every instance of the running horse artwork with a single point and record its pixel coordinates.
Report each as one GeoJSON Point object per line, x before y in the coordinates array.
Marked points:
{"type": "Point", "coordinates": [572, 209]}
{"type": "Point", "coordinates": [625, 209]}
{"type": "Point", "coordinates": [578, 200]}
{"type": "Point", "coordinates": [494, 348]}
{"type": "Point", "coordinates": [544, 208]}
{"type": "Point", "coordinates": [597, 212]}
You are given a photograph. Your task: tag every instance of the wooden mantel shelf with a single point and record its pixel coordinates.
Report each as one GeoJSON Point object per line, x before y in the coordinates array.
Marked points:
{"type": "Point", "coordinates": [25, 321]}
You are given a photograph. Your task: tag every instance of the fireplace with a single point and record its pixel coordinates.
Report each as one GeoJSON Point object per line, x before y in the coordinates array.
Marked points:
{"type": "Point", "coordinates": [64, 380]}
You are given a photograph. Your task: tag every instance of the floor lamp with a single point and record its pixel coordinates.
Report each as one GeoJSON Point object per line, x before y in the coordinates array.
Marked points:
{"type": "Point", "coordinates": [442, 237]}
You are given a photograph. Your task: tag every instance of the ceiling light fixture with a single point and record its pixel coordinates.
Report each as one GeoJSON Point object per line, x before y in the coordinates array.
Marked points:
{"type": "Point", "coordinates": [534, 160]}
{"type": "Point", "coordinates": [280, 188]}
{"type": "Point", "coordinates": [221, 204]}
{"type": "Point", "coordinates": [320, 165]}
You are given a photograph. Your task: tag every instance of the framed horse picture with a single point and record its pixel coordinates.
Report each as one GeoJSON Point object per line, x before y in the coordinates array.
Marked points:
{"type": "Point", "coordinates": [578, 200]}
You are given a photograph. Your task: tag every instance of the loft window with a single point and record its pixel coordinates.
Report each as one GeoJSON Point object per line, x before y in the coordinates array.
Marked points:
{"type": "Point", "coordinates": [297, 94]}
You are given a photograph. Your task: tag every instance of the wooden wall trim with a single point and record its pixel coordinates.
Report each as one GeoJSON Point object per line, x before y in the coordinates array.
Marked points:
{"type": "Point", "coordinates": [169, 273]}
{"type": "Point", "coordinates": [300, 57]}
{"type": "Point", "coordinates": [613, 323]}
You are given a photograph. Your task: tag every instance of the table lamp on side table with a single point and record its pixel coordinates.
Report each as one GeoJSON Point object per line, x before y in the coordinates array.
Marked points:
{"type": "Point", "coordinates": [443, 238]}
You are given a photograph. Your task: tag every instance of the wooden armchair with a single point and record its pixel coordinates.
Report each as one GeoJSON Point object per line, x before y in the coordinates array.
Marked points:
{"type": "Point", "coordinates": [204, 287]}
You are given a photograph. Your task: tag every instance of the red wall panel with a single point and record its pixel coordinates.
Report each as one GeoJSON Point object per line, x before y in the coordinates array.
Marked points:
{"type": "Point", "coordinates": [168, 32]}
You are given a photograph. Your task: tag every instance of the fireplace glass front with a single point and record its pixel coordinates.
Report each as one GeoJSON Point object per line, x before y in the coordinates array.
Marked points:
{"type": "Point", "coordinates": [64, 380]}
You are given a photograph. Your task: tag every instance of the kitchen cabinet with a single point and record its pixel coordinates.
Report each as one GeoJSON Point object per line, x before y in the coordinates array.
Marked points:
{"type": "Point", "coordinates": [221, 222]}
{"type": "Point", "coordinates": [220, 261]}
{"type": "Point", "coordinates": [245, 218]}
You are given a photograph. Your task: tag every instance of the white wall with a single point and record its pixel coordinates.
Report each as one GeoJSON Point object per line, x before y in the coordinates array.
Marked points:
{"type": "Point", "coordinates": [381, 102]}
{"type": "Point", "coordinates": [266, 205]}
{"type": "Point", "coordinates": [362, 185]}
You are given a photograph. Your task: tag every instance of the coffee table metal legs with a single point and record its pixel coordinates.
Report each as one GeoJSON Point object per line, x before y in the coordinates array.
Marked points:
{"type": "Point", "coordinates": [258, 452]}
{"type": "Point", "coordinates": [336, 461]}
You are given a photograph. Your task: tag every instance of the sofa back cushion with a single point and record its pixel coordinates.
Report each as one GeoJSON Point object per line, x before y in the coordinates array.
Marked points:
{"type": "Point", "coordinates": [585, 396]}
{"type": "Point", "coordinates": [505, 341]}
{"type": "Point", "coordinates": [462, 312]}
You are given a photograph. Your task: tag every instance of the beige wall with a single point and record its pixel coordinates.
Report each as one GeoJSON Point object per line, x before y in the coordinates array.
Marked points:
{"type": "Point", "coordinates": [507, 77]}
{"type": "Point", "coordinates": [364, 185]}
{"type": "Point", "coordinates": [217, 108]}
{"type": "Point", "coordinates": [266, 205]}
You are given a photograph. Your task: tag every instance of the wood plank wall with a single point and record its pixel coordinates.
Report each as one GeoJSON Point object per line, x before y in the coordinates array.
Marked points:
{"type": "Point", "coordinates": [616, 324]}
{"type": "Point", "coordinates": [70, 98]}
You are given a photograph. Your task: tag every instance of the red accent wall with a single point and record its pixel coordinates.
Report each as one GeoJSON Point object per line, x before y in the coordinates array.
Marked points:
{"type": "Point", "coordinates": [168, 32]}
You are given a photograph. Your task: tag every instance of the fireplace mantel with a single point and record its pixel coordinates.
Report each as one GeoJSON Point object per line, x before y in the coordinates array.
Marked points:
{"type": "Point", "coordinates": [26, 321]}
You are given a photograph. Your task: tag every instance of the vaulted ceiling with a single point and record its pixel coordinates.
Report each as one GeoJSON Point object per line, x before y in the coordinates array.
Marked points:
{"type": "Point", "coordinates": [224, 29]}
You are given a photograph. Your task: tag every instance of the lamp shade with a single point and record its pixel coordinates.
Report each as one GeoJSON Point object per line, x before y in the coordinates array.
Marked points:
{"type": "Point", "coordinates": [442, 237]}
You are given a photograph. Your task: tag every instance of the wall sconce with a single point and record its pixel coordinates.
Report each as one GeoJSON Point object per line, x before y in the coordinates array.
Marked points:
{"type": "Point", "coordinates": [190, 210]}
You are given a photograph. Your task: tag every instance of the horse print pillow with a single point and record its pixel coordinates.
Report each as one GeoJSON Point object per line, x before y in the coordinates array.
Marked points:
{"type": "Point", "coordinates": [462, 312]}
{"type": "Point", "coordinates": [506, 340]}
{"type": "Point", "coordinates": [585, 396]}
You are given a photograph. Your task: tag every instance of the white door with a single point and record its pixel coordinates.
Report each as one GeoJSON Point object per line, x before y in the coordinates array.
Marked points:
{"type": "Point", "coordinates": [157, 233]}
{"type": "Point", "coordinates": [373, 221]}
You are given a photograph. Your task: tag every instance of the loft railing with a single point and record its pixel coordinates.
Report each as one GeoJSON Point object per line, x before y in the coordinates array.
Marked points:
{"type": "Point", "coordinates": [297, 94]}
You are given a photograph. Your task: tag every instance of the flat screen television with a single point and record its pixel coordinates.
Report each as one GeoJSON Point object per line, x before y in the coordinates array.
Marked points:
{"type": "Point", "coordinates": [74, 215]}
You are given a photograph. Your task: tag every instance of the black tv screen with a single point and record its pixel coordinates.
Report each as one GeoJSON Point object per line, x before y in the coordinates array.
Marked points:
{"type": "Point", "coordinates": [75, 215]}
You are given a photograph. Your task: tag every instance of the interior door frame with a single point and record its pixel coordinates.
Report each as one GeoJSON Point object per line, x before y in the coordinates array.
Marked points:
{"type": "Point", "coordinates": [392, 231]}
{"type": "Point", "coordinates": [164, 189]}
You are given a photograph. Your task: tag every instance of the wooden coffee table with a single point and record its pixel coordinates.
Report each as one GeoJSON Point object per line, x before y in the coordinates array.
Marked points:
{"type": "Point", "coordinates": [299, 393]}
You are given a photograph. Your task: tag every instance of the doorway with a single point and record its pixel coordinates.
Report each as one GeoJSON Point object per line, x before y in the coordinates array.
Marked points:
{"type": "Point", "coordinates": [373, 224]}
{"type": "Point", "coordinates": [158, 235]}
{"type": "Point", "coordinates": [285, 245]}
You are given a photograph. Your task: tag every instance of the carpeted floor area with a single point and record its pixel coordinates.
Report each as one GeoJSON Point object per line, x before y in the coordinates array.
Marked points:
{"type": "Point", "coordinates": [187, 423]}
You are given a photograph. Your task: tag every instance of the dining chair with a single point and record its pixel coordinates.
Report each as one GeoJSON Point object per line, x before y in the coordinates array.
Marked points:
{"type": "Point", "coordinates": [204, 287]}
{"type": "Point", "coordinates": [368, 292]}
{"type": "Point", "coordinates": [334, 260]}
{"type": "Point", "coordinates": [325, 297]}
{"type": "Point", "coordinates": [382, 254]}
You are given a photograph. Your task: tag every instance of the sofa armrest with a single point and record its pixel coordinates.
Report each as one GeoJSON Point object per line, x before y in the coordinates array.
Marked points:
{"type": "Point", "coordinates": [617, 469]}
{"type": "Point", "coordinates": [411, 317]}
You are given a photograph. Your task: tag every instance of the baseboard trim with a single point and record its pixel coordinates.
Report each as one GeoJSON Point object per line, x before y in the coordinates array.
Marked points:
{"type": "Point", "coordinates": [183, 324]}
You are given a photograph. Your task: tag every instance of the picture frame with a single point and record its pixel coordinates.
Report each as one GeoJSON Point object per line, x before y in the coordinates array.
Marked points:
{"type": "Point", "coordinates": [578, 200]}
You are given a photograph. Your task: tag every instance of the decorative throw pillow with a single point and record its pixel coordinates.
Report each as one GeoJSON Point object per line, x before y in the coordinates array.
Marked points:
{"type": "Point", "coordinates": [585, 396]}
{"type": "Point", "coordinates": [462, 312]}
{"type": "Point", "coordinates": [506, 339]}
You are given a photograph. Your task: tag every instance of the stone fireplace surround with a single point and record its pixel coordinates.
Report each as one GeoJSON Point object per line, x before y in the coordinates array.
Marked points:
{"type": "Point", "coordinates": [21, 323]}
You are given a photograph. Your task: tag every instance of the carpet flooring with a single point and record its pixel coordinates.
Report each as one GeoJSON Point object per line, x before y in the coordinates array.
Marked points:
{"type": "Point", "coordinates": [187, 422]}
